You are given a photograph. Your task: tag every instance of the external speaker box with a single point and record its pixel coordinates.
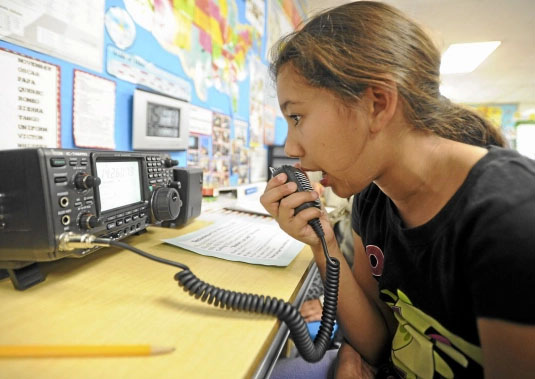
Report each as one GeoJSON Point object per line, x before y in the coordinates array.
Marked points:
{"type": "Point", "coordinates": [190, 191]}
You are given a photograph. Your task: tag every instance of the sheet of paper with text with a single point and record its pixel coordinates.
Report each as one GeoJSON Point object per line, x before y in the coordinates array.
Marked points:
{"type": "Point", "coordinates": [250, 240]}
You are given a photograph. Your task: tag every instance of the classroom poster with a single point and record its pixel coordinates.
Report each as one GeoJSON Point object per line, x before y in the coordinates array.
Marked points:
{"type": "Point", "coordinates": [240, 153]}
{"type": "Point", "coordinates": [200, 120]}
{"type": "Point", "coordinates": [255, 14]}
{"type": "Point", "coordinates": [71, 30]}
{"type": "Point", "coordinates": [30, 102]}
{"type": "Point", "coordinates": [258, 73]}
{"type": "Point", "coordinates": [281, 20]}
{"type": "Point", "coordinates": [93, 114]}
{"type": "Point", "coordinates": [221, 150]}
{"type": "Point", "coordinates": [270, 113]}
{"type": "Point", "coordinates": [207, 37]}
{"type": "Point", "coordinates": [134, 69]}
{"type": "Point", "coordinates": [199, 153]}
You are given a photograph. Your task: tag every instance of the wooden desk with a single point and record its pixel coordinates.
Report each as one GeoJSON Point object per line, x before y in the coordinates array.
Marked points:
{"type": "Point", "coordinates": [117, 297]}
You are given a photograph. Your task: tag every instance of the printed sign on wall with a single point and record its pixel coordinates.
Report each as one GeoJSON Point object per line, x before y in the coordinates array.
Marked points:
{"type": "Point", "coordinates": [30, 102]}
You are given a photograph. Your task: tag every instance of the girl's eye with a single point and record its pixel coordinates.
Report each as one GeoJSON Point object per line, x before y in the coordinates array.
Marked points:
{"type": "Point", "coordinates": [296, 118]}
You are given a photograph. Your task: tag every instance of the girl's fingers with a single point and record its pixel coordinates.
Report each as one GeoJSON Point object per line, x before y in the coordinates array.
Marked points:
{"type": "Point", "coordinates": [275, 191]}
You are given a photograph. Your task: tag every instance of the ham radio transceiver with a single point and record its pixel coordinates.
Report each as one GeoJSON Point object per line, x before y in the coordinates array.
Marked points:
{"type": "Point", "coordinates": [46, 193]}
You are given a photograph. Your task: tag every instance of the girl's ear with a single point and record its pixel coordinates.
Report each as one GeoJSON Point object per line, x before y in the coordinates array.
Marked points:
{"type": "Point", "coordinates": [381, 103]}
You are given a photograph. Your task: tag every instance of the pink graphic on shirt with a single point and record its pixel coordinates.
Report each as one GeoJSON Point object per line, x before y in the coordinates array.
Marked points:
{"type": "Point", "coordinates": [377, 259]}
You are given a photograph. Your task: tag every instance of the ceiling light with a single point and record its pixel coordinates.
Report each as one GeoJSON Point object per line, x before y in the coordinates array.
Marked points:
{"type": "Point", "coordinates": [465, 57]}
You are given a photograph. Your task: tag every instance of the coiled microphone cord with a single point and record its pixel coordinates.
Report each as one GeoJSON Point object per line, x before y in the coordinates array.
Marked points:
{"type": "Point", "coordinates": [311, 351]}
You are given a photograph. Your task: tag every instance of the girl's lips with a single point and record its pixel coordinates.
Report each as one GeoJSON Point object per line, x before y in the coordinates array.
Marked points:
{"type": "Point", "coordinates": [324, 181]}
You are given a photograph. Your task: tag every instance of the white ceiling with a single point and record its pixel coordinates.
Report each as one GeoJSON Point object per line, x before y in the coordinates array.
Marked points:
{"type": "Point", "coordinates": [508, 74]}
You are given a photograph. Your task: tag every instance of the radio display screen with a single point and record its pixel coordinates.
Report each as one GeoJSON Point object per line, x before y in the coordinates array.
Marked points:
{"type": "Point", "coordinates": [120, 183]}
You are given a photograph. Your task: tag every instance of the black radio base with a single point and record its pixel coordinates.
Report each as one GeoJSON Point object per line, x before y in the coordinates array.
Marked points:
{"type": "Point", "coordinates": [24, 277]}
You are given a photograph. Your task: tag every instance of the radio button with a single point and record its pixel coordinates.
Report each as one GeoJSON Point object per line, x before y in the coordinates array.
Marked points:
{"type": "Point", "coordinates": [128, 219]}
{"type": "Point", "coordinates": [84, 181]}
{"type": "Point", "coordinates": [119, 222]}
{"type": "Point", "coordinates": [57, 162]}
{"type": "Point", "coordinates": [60, 179]}
{"type": "Point", "coordinates": [111, 225]}
{"type": "Point", "coordinates": [168, 162]}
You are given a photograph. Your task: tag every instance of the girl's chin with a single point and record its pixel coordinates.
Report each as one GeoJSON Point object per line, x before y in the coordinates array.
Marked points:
{"type": "Point", "coordinates": [342, 192]}
{"type": "Point", "coordinates": [339, 190]}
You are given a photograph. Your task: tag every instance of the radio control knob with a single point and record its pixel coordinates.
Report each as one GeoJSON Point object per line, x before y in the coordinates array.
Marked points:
{"type": "Point", "coordinates": [88, 221]}
{"type": "Point", "coordinates": [166, 204]}
{"type": "Point", "coordinates": [84, 181]}
{"type": "Point", "coordinates": [168, 162]}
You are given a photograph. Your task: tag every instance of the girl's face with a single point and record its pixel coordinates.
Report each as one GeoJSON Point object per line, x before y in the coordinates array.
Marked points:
{"type": "Point", "coordinates": [325, 135]}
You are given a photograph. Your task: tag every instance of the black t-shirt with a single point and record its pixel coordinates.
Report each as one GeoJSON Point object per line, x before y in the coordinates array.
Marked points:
{"type": "Point", "coordinates": [475, 258]}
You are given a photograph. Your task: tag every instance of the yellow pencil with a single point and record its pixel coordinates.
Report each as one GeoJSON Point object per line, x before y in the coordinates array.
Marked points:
{"type": "Point", "coordinates": [47, 351]}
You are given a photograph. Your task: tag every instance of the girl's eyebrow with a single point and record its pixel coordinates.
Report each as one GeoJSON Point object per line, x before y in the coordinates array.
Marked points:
{"type": "Point", "coordinates": [288, 102]}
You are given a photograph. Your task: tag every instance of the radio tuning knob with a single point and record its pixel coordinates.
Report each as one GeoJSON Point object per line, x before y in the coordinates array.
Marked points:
{"type": "Point", "coordinates": [88, 221]}
{"type": "Point", "coordinates": [83, 181]}
{"type": "Point", "coordinates": [166, 204]}
{"type": "Point", "coordinates": [168, 162]}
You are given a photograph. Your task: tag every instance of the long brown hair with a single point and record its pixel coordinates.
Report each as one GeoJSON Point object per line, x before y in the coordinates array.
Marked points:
{"type": "Point", "coordinates": [366, 43]}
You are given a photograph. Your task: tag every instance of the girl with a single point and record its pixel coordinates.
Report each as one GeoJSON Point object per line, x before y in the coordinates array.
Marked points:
{"type": "Point", "coordinates": [443, 222]}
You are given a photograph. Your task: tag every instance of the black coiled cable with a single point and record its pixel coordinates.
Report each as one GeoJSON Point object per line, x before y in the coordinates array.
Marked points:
{"type": "Point", "coordinates": [311, 351]}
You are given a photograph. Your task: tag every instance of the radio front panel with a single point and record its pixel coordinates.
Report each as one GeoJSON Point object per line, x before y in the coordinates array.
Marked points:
{"type": "Point", "coordinates": [55, 191]}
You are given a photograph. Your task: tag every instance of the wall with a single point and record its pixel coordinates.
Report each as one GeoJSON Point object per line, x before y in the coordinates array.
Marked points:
{"type": "Point", "coordinates": [236, 101]}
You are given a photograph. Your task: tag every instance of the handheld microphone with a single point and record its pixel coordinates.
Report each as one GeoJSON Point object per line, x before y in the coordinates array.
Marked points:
{"type": "Point", "coordinates": [300, 178]}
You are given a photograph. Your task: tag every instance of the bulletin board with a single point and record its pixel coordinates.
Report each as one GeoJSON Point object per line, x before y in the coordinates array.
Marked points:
{"type": "Point", "coordinates": [210, 53]}
{"type": "Point", "coordinates": [501, 116]}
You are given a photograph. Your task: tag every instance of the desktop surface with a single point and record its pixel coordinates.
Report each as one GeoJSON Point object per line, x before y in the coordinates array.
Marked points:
{"type": "Point", "coordinates": [114, 296]}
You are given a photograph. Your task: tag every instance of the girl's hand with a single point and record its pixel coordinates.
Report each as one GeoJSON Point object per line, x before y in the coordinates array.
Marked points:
{"type": "Point", "coordinates": [311, 310]}
{"type": "Point", "coordinates": [280, 199]}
